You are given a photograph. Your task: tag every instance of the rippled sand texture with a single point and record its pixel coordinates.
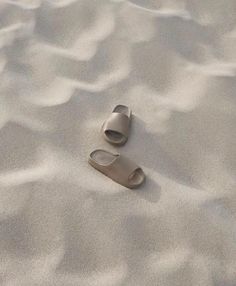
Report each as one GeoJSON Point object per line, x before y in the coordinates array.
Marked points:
{"type": "Point", "coordinates": [64, 64]}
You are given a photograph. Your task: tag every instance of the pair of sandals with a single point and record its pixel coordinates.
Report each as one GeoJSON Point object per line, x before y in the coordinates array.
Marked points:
{"type": "Point", "coordinates": [116, 166]}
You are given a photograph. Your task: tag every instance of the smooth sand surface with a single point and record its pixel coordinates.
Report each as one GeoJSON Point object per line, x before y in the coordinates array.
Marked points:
{"type": "Point", "coordinates": [64, 65]}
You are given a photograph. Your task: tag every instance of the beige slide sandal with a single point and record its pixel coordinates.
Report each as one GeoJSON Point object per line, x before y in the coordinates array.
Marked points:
{"type": "Point", "coordinates": [117, 167]}
{"type": "Point", "coordinates": [116, 128]}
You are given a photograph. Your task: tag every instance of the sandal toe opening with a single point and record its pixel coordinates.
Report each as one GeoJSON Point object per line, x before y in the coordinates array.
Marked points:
{"type": "Point", "coordinates": [115, 136]}
{"type": "Point", "coordinates": [136, 178]}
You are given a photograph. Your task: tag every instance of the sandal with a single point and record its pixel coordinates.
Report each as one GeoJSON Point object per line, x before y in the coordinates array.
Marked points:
{"type": "Point", "coordinates": [117, 167]}
{"type": "Point", "coordinates": [116, 128]}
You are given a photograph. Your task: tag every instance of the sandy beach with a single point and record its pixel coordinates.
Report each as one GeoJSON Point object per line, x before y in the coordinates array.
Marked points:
{"type": "Point", "coordinates": [64, 65]}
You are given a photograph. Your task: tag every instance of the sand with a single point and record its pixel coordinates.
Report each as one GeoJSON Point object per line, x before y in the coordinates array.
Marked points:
{"type": "Point", "coordinates": [64, 65]}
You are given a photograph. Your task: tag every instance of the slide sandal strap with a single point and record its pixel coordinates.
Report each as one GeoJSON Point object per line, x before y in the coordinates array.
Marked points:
{"type": "Point", "coordinates": [117, 122]}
